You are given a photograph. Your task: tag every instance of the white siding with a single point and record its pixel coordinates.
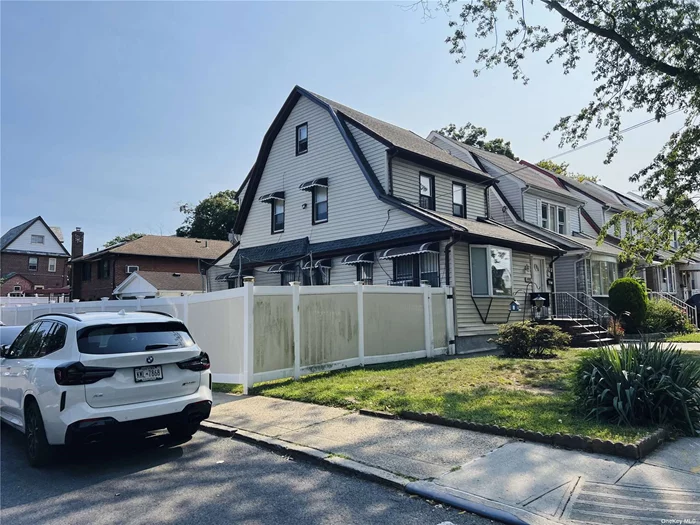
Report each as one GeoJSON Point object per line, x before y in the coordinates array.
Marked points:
{"type": "Point", "coordinates": [565, 274]}
{"type": "Point", "coordinates": [222, 266]}
{"type": "Point", "coordinates": [24, 241]}
{"type": "Point", "coordinates": [587, 228]}
{"type": "Point", "coordinates": [353, 208]}
{"type": "Point", "coordinates": [405, 177]}
{"type": "Point", "coordinates": [511, 188]}
{"type": "Point", "coordinates": [496, 209]}
{"type": "Point", "coordinates": [375, 153]}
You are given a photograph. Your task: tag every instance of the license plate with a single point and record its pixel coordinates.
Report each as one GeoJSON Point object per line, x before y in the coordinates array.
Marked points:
{"type": "Point", "coordinates": [148, 373]}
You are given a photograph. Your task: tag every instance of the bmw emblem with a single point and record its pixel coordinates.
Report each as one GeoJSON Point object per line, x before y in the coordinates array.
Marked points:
{"type": "Point", "coordinates": [149, 359]}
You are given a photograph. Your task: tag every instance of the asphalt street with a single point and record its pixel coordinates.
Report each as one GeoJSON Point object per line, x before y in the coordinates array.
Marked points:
{"type": "Point", "coordinates": [205, 480]}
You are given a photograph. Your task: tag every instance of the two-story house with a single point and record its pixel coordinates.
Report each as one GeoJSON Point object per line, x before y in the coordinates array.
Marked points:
{"type": "Point", "coordinates": [33, 260]}
{"type": "Point", "coordinates": [336, 197]}
{"type": "Point", "coordinates": [602, 204]}
{"type": "Point", "coordinates": [180, 261]}
{"type": "Point", "coordinates": [538, 205]}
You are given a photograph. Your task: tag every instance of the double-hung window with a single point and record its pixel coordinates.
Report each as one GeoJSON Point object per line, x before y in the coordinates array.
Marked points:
{"type": "Point", "coordinates": [52, 264]}
{"type": "Point", "coordinates": [86, 271]}
{"type": "Point", "coordinates": [427, 191]}
{"type": "Point", "coordinates": [491, 271]}
{"type": "Point", "coordinates": [603, 274]}
{"type": "Point", "coordinates": [459, 200]}
{"type": "Point", "coordinates": [319, 196]}
{"type": "Point", "coordinates": [553, 217]}
{"type": "Point", "coordinates": [302, 139]}
{"type": "Point", "coordinates": [103, 269]}
{"type": "Point", "coordinates": [33, 264]}
{"type": "Point", "coordinates": [277, 215]}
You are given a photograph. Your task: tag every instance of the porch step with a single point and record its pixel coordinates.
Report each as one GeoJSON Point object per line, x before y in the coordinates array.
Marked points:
{"type": "Point", "coordinates": [583, 331]}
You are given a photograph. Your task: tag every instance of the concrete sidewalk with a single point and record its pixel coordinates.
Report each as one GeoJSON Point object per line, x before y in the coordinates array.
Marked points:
{"type": "Point", "coordinates": [536, 483]}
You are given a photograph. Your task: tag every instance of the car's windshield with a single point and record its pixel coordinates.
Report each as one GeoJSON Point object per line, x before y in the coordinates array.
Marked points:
{"type": "Point", "coordinates": [136, 337]}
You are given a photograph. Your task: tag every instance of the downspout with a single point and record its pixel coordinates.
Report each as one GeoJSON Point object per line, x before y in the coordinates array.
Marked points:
{"type": "Point", "coordinates": [449, 245]}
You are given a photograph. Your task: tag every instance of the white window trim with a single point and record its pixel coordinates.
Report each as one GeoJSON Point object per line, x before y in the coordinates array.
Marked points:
{"type": "Point", "coordinates": [609, 260]}
{"type": "Point", "coordinates": [555, 219]}
{"type": "Point", "coordinates": [41, 237]}
{"type": "Point", "coordinates": [52, 264]}
{"type": "Point", "coordinates": [489, 279]}
{"type": "Point", "coordinates": [131, 266]}
{"type": "Point", "coordinates": [29, 264]}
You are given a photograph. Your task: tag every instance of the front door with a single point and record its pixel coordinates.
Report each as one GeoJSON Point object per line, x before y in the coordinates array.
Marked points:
{"type": "Point", "coordinates": [539, 283]}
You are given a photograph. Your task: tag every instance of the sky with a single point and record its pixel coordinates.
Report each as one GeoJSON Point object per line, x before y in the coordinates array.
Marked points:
{"type": "Point", "coordinates": [115, 113]}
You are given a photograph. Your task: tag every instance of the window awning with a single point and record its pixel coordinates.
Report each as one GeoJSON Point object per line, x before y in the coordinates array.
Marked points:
{"type": "Point", "coordinates": [320, 263]}
{"type": "Point", "coordinates": [230, 276]}
{"type": "Point", "coordinates": [282, 267]}
{"type": "Point", "coordinates": [308, 186]}
{"type": "Point", "coordinates": [414, 249]}
{"type": "Point", "coordinates": [359, 258]}
{"type": "Point", "coordinates": [274, 196]}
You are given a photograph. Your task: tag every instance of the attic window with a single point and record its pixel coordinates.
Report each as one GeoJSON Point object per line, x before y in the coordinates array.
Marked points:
{"type": "Point", "coordinates": [302, 138]}
{"type": "Point", "coordinates": [37, 239]}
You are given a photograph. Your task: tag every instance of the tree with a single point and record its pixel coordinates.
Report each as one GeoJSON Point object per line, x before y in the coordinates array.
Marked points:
{"type": "Point", "coordinates": [562, 168]}
{"type": "Point", "coordinates": [212, 218]}
{"type": "Point", "coordinates": [646, 57]}
{"type": "Point", "coordinates": [474, 136]}
{"type": "Point", "coordinates": [123, 238]}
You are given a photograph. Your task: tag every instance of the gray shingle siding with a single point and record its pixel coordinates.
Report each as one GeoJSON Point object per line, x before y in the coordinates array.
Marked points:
{"type": "Point", "coordinates": [564, 274]}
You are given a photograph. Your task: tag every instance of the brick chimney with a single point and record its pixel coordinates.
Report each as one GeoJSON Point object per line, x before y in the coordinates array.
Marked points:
{"type": "Point", "coordinates": [77, 245]}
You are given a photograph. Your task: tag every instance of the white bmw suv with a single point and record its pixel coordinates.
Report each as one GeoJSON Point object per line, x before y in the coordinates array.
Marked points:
{"type": "Point", "coordinates": [77, 378]}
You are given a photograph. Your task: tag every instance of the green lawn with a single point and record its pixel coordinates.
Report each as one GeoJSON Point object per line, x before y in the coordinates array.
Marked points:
{"type": "Point", "coordinates": [515, 393]}
{"type": "Point", "coordinates": [687, 338]}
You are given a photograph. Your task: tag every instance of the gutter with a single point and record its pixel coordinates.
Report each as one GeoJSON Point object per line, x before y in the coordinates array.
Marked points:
{"type": "Point", "coordinates": [522, 198]}
{"type": "Point", "coordinates": [390, 154]}
{"type": "Point", "coordinates": [449, 245]}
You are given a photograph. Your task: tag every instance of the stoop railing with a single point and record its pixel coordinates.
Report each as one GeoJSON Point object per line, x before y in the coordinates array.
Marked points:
{"type": "Point", "coordinates": [590, 315]}
{"type": "Point", "coordinates": [690, 311]}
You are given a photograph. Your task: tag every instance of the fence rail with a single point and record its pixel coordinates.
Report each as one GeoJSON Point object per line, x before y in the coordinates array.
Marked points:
{"type": "Point", "coordinates": [260, 333]}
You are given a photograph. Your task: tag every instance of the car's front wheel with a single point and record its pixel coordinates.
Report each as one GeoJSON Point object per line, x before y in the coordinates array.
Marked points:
{"type": "Point", "coordinates": [37, 446]}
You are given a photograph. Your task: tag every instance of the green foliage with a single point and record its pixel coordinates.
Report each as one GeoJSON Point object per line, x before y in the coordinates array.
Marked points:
{"type": "Point", "coordinates": [662, 316]}
{"type": "Point", "coordinates": [628, 295]}
{"type": "Point", "coordinates": [212, 218]}
{"type": "Point", "coordinates": [562, 169]}
{"type": "Point", "coordinates": [645, 58]}
{"type": "Point", "coordinates": [123, 238]}
{"type": "Point", "coordinates": [641, 384]}
{"type": "Point", "coordinates": [527, 339]}
{"type": "Point", "coordinates": [474, 136]}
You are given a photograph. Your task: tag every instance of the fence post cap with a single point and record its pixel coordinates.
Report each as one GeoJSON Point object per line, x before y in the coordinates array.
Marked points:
{"type": "Point", "coordinates": [294, 283]}
{"type": "Point", "coordinates": [358, 283]}
{"type": "Point", "coordinates": [425, 283]}
{"type": "Point", "coordinates": [249, 279]}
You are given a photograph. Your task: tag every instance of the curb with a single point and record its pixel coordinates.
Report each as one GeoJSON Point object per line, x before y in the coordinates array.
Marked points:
{"type": "Point", "coordinates": [217, 429]}
{"type": "Point", "coordinates": [637, 450]}
{"type": "Point", "coordinates": [349, 466]}
{"type": "Point", "coordinates": [322, 458]}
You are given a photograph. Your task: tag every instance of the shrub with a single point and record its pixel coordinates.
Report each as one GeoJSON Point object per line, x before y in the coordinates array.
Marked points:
{"type": "Point", "coordinates": [641, 384]}
{"type": "Point", "coordinates": [628, 295]}
{"type": "Point", "coordinates": [616, 330]}
{"type": "Point", "coordinates": [663, 316]}
{"type": "Point", "coordinates": [526, 339]}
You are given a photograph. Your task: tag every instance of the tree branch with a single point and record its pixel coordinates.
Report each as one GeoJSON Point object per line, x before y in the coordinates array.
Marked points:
{"type": "Point", "coordinates": [662, 67]}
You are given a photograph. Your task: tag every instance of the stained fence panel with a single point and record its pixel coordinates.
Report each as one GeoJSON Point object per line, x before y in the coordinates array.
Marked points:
{"type": "Point", "coordinates": [440, 337]}
{"type": "Point", "coordinates": [274, 335]}
{"type": "Point", "coordinates": [394, 323]}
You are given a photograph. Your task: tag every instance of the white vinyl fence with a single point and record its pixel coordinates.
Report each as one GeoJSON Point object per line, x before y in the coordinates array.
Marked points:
{"type": "Point", "coordinates": [260, 333]}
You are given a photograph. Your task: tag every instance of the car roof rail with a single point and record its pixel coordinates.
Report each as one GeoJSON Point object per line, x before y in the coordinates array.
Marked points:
{"type": "Point", "coordinates": [154, 312]}
{"type": "Point", "coordinates": [70, 316]}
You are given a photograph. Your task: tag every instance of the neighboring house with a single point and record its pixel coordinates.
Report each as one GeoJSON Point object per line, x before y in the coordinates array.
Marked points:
{"type": "Point", "coordinates": [33, 253]}
{"type": "Point", "coordinates": [526, 199]}
{"type": "Point", "coordinates": [336, 196]}
{"type": "Point", "coordinates": [16, 285]}
{"type": "Point", "coordinates": [97, 274]}
{"type": "Point", "coordinates": [148, 285]}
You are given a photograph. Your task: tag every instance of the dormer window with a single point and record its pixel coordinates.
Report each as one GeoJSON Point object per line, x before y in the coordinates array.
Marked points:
{"type": "Point", "coordinates": [427, 191]}
{"type": "Point", "coordinates": [553, 217]}
{"type": "Point", "coordinates": [302, 138]}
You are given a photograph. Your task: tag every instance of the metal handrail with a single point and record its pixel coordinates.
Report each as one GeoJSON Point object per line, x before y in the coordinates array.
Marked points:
{"type": "Point", "coordinates": [567, 305]}
{"type": "Point", "coordinates": [689, 310]}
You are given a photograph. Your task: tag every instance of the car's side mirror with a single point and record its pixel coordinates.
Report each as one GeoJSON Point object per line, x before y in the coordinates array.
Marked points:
{"type": "Point", "coordinates": [4, 350]}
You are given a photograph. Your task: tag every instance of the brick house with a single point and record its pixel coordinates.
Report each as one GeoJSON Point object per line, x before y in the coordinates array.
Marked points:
{"type": "Point", "coordinates": [33, 260]}
{"type": "Point", "coordinates": [98, 274]}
